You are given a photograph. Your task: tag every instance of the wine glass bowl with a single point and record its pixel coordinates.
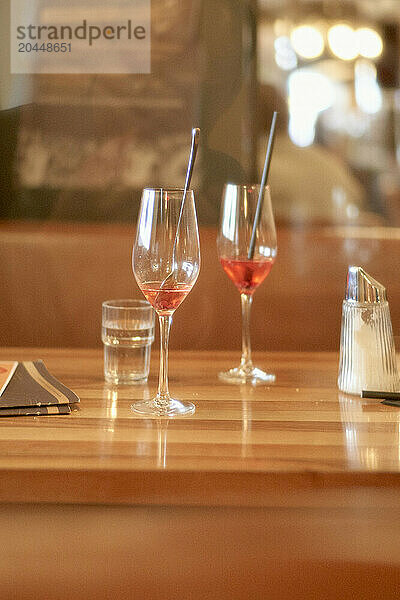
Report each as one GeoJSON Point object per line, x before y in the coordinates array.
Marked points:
{"type": "Point", "coordinates": [166, 263]}
{"type": "Point", "coordinates": [246, 269]}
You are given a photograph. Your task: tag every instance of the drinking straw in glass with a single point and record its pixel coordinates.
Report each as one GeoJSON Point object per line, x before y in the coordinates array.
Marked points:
{"type": "Point", "coordinates": [166, 263]}
{"type": "Point", "coordinates": [238, 211]}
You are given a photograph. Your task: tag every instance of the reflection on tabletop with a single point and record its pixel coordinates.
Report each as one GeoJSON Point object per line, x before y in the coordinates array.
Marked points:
{"type": "Point", "coordinates": [364, 435]}
{"type": "Point", "coordinates": [117, 405]}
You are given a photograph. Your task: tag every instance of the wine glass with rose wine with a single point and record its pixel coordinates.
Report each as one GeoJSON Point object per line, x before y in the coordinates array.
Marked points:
{"type": "Point", "coordinates": [166, 263]}
{"type": "Point", "coordinates": [239, 206]}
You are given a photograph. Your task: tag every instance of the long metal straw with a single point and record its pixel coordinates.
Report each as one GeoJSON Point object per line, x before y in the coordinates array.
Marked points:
{"type": "Point", "coordinates": [264, 180]}
{"type": "Point", "coordinates": [189, 173]}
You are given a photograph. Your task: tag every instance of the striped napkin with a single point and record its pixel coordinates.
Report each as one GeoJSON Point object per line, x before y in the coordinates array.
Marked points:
{"type": "Point", "coordinates": [27, 388]}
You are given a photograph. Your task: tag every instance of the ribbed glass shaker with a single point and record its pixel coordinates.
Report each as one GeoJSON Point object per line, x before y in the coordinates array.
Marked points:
{"type": "Point", "coordinates": [367, 352]}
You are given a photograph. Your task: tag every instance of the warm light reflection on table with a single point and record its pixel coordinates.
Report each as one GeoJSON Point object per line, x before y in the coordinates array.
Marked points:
{"type": "Point", "coordinates": [243, 445]}
{"type": "Point", "coordinates": [367, 433]}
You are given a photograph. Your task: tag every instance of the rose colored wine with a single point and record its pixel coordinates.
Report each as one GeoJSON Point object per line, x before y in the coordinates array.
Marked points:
{"type": "Point", "coordinates": [166, 300]}
{"type": "Point", "coordinates": [247, 274]}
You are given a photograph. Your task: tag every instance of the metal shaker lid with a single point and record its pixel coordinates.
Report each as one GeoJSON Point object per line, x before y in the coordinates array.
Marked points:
{"type": "Point", "coordinates": [361, 287]}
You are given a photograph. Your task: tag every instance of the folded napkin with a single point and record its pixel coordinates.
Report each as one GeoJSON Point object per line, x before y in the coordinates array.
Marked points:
{"type": "Point", "coordinates": [25, 411]}
{"type": "Point", "coordinates": [29, 389]}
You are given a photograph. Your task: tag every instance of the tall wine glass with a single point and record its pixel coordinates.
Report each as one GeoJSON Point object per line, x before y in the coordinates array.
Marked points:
{"type": "Point", "coordinates": [238, 209]}
{"type": "Point", "coordinates": [166, 263]}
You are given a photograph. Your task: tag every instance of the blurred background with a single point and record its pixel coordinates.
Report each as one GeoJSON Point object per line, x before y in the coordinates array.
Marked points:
{"type": "Point", "coordinates": [82, 147]}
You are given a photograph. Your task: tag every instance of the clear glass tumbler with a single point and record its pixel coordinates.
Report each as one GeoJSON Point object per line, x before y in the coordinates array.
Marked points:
{"type": "Point", "coordinates": [127, 335]}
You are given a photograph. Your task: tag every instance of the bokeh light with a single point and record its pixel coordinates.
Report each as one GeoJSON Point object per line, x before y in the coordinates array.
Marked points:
{"type": "Point", "coordinates": [369, 41]}
{"type": "Point", "coordinates": [285, 56]}
{"type": "Point", "coordinates": [367, 91]}
{"type": "Point", "coordinates": [310, 93]}
{"type": "Point", "coordinates": [343, 41]}
{"type": "Point", "coordinates": [307, 41]}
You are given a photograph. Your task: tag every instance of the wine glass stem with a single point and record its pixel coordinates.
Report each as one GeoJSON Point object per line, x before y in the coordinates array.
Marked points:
{"type": "Point", "coordinates": [163, 396]}
{"type": "Point", "coordinates": [246, 362]}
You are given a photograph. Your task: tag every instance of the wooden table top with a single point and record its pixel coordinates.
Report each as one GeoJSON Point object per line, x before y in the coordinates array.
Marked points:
{"type": "Point", "coordinates": [245, 445]}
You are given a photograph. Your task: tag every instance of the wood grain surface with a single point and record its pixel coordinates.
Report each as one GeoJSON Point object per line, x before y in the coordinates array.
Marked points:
{"type": "Point", "coordinates": [244, 446]}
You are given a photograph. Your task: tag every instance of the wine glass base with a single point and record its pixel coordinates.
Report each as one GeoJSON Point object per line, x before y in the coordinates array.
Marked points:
{"type": "Point", "coordinates": [239, 376]}
{"type": "Point", "coordinates": [152, 408]}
